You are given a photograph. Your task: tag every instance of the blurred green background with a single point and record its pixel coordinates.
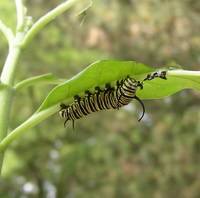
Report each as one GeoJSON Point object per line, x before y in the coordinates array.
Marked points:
{"type": "Point", "coordinates": [109, 154]}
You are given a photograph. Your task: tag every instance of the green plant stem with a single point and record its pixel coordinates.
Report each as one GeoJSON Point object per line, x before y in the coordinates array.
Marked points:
{"type": "Point", "coordinates": [46, 19]}
{"type": "Point", "coordinates": [7, 80]}
{"type": "Point", "coordinates": [32, 121]}
{"type": "Point", "coordinates": [7, 32]}
{"type": "Point", "coordinates": [7, 91]}
{"type": "Point", "coordinates": [183, 73]}
{"type": "Point", "coordinates": [21, 12]}
{"type": "Point", "coordinates": [9, 69]}
{"type": "Point", "coordinates": [6, 95]}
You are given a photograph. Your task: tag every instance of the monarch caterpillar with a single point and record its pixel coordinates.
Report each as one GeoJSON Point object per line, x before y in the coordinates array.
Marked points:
{"type": "Point", "coordinates": [109, 98]}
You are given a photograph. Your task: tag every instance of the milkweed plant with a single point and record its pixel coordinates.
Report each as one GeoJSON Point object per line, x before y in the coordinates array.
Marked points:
{"type": "Point", "coordinates": [97, 74]}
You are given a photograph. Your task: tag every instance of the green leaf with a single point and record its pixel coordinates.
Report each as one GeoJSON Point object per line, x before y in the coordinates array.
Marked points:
{"type": "Point", "coordinates": [97, 74]}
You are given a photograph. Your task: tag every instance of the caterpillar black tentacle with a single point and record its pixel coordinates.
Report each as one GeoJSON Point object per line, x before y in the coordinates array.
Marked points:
{"type": "Point", "coordinates": [143, 108]}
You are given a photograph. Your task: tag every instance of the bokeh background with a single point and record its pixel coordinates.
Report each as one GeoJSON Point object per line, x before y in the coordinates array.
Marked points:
{"type": "Point", "coordinates": [108, 154]}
